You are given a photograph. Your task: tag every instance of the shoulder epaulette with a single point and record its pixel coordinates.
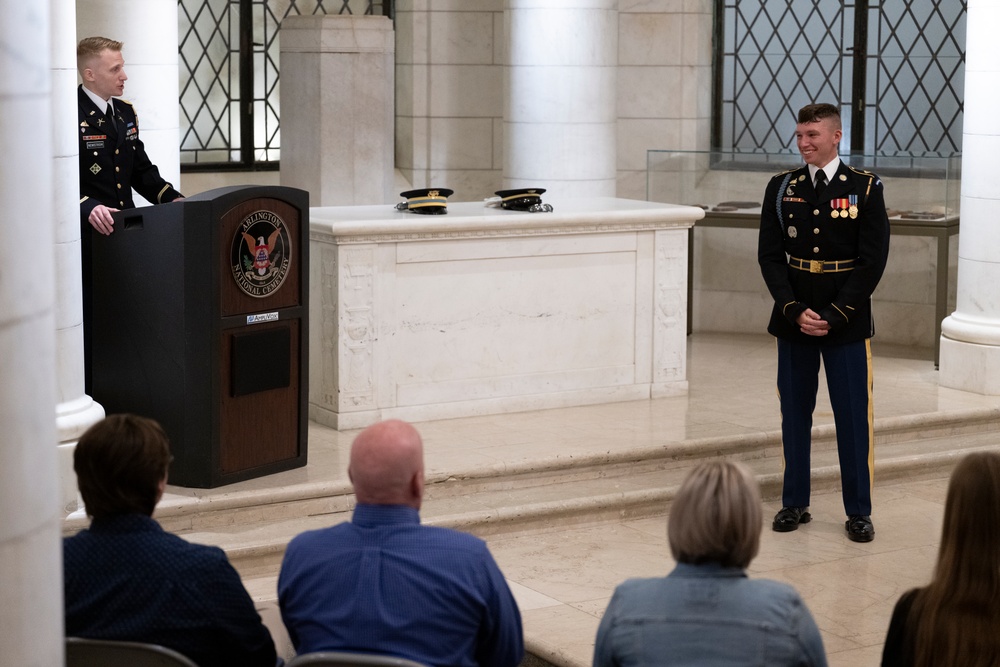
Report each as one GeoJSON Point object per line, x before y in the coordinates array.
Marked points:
{"type": "Point", "coordinates": [863, 172]}
{"type": "Point", "coordinates": [122, 99]}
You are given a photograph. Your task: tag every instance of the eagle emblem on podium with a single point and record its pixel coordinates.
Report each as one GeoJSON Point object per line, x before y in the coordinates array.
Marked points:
{"type": "Point", "coordinates": [261, 253]}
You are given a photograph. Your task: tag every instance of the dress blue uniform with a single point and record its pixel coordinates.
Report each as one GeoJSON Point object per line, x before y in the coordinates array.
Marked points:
{"type": "Point", "coordinates": [825, 252]}
{"type": "Point", "coordinates": [113, 160]}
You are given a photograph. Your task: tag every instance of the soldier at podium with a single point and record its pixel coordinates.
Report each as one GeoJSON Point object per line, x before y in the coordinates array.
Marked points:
{"type": "Point", "coordinates": [113, 160]}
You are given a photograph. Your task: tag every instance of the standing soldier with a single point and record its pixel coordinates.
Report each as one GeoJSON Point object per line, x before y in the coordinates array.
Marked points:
{"type": "Point", "coordinates": [824, 239]}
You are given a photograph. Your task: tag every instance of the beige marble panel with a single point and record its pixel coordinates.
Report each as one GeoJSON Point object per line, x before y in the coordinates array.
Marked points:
{"type": "Point", "coordinates": [650, 39]}
{"type": "Point", "coordinates": [460, 143]}
{"type": "Point", "coordinates": [651, 6]}
{"type": "Point", "coordinates": [649, 92]}
{"type": "Point", "coordinates": [636, 136]}
{"type": "Point", "coordinates": [698, 35]}
{"type": "Point", "coordinates": [465, 91]}
{"type": "Point", "coordinates": [458, 5]}
{"type": "Point", "coordinates": [631, 184]}
{"type": "Point", "coordinates": [461, 38]}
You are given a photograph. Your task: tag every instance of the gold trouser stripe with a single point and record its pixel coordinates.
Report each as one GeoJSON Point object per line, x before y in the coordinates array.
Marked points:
{"type": "Point", "coordinates": [871, 421]}
{"type": "Point", "coordinates": [781, 418]}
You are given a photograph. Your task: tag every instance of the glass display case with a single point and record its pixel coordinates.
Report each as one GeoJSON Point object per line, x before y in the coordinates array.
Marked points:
{"type": "Point", "coordinates": [918, 186]}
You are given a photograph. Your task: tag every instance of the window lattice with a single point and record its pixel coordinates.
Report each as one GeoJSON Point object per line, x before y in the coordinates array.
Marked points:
{"type": "Point", "coordinates": [776, 56]}
{"type": "Point", "coordinates": [229, 75]}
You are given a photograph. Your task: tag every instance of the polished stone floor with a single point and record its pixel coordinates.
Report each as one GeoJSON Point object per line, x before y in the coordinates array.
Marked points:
{"type": "Point", "coordinates": [563, 574]}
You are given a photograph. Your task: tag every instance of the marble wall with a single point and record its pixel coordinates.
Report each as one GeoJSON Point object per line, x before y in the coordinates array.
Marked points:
{"type": "Point", "coordinates": [449, 95]}
{"type": "Point", "coordinates": [664, 83]}
{"type": "Point", "coordinates": [449, 89]}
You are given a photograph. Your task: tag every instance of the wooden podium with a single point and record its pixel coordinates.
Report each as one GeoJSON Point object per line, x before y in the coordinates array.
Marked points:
{"type": "Point", "coordinates": [199, 320]}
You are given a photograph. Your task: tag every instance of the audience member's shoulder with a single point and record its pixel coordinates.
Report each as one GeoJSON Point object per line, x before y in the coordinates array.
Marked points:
{"type": "Point", "coordinates": [320, 535]}
{"type": "Point", "coordinates": [192, 554]}
{"type": "Point", "coordinates": [455, 539]}
{"type": "Point", "coordinates": [778, 587]}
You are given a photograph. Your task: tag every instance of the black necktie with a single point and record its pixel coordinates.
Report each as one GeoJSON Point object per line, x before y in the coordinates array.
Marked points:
{"type": "Point", "coordinates": [109, 115]}
{"type": "Point", "coordinates": [820, 182]}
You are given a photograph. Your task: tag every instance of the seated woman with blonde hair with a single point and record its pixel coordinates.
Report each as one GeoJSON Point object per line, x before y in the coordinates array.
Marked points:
{"type": "Point", "coordinates": [955, 620]}
{"type": "Point", "coordinates": [707, 611]}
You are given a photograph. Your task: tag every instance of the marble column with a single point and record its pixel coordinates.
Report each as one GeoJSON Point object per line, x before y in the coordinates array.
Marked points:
{"type": "Point", "coordinates": [75, 411]}
{"type": "Point", "coordinates": [560, 109]}
{"type": "Point", "coordinates": [337, 108]}
{"type": "Point", "coordinates": [970, 337]}
{"type": "Point", "coordinates": [31, 628]}
{"type": "Point", "coordinates": [150, 35]}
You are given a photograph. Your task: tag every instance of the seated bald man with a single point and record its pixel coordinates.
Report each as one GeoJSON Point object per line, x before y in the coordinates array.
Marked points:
{"type": "Point", "coordinates": [383, 583]}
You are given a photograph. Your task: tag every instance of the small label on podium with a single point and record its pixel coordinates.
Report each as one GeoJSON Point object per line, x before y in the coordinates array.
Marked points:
{"type": "Point", "coordinates": [262, 317]}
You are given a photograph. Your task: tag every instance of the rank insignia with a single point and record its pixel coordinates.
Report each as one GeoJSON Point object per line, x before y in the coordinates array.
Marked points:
{"type": "Point", "coordinates": [792, 232]}
{"type": "Point", "coordinates": [843, 178]}
{"type": "Point", "coordinates": [95, 168]}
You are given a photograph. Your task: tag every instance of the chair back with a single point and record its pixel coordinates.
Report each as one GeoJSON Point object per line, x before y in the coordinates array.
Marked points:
{"type": "Point", "coordinates": [82, 652]}
{"type": "Point", "coordinates": [344, 659]}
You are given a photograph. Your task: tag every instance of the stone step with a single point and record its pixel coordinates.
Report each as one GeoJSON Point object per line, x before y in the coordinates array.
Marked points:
{"type": "Point", "coordinates": [542, 493]}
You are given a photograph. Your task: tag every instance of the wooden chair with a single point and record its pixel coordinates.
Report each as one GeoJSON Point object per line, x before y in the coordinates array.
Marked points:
{"type": "Point", "coordinates": [82, 652]}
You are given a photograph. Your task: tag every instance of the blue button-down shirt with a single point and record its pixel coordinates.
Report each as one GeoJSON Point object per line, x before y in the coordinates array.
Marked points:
{"type": "Point", "coordinates": [383, 583]}
{"type": "Point", "coordinates": [707, 615]}
{"type": "Point", "coordinates": [127, 579]}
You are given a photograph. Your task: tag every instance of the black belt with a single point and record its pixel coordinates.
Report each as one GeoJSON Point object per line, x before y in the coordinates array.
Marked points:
{"type": "Point", "coordinates": [821, 266]}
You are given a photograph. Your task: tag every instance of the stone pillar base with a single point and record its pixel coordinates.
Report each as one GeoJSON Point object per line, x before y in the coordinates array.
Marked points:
{"type": "Point", "coordinates": [970, 367]}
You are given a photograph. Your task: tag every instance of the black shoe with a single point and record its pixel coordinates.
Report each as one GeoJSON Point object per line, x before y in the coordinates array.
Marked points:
{"type": "Point", "coordinates": [788, 518]}
{"type": "Point", "coordinates": [860, 528]}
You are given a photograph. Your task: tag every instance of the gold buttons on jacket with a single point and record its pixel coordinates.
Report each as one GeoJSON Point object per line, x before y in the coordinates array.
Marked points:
{"type": "Point", "coordinates": [815, 250]}
{"type": "Point", "coordinates": [816, 231]}
{"type": "Point", "coordinates": [815, 211]}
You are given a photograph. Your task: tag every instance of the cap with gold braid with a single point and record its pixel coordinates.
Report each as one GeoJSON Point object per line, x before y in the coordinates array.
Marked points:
{"type": "Point", "coordinates": [428, 201]}
{"type": "Point", "coordinates": [523, 199]}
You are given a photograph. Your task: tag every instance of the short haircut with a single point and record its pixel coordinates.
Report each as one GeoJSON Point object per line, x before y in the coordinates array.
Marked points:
{"type": "Point", "coordinates": [119, 463]}
{"type": "Point", "coordinates": [716, 516]}
{"type": "Point", "coordinates": [91, 47]}
{"type": "Point", "coordinates": [813, 113]}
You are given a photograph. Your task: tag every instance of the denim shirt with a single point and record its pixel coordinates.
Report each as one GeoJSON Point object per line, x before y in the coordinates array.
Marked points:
{"type": "Point", "coordinates": [707, 615]}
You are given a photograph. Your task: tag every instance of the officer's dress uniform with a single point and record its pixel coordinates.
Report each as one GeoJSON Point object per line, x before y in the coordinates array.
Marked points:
{"type": "Point", "coordinates": [113, 161]}
{"type": "Point", "coordinates": [825, 252]}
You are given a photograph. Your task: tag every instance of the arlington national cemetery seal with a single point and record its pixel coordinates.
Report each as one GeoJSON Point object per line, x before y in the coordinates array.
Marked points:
{"type": "Point", "coordinates": [261, 253]}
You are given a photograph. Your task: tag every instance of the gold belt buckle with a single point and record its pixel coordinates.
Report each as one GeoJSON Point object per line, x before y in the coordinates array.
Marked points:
{"type": "Point", "coordinates": [815, 266]}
